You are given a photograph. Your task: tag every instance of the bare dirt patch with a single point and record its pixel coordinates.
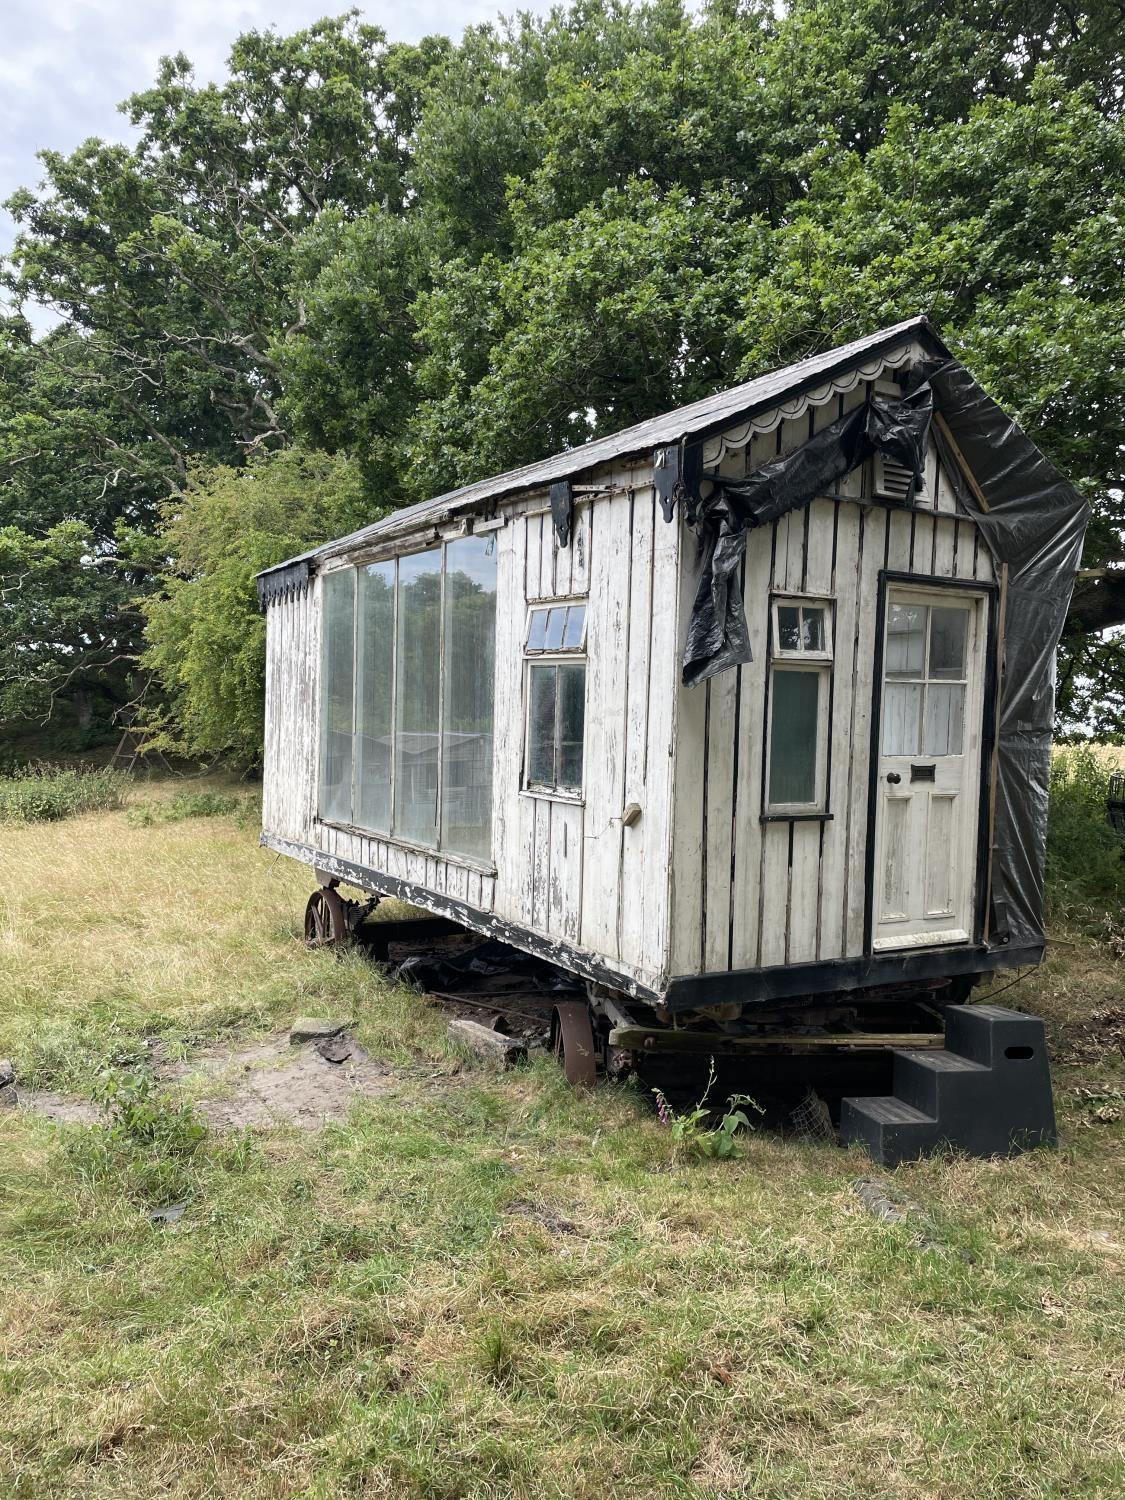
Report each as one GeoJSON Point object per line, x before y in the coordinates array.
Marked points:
{"type": "Point", "coordinates": [261, 1084]}
{"type": "Point", "coordinates": [61, 1108]}
{"type": "Point", "coordinates": [274, 1083]}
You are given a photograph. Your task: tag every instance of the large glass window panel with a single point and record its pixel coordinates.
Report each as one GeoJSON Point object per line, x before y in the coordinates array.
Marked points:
{"type": "Point", "coordinates": [902, 715]}
{"type": "Point", "coordinates": [571, 725]}
{"type": "Point", "coordinates": [336, 694]}
{"type": "Point", "coordinates": [417, 697]}
{"type": "Point", "coordinates": [944, 729]}
{"type": "Point", "coordinates": [948, 630]}
{"type": "Point", "coordinates": [470, 683]}
{"type": "Point", "coordinates": [794, 715]}
{"type": "Point", "coordinates": [541, 727]}
{"type": "Point", "coordinates": [375, 651]}
{"type": "Point", "coordinates": [906, 640]}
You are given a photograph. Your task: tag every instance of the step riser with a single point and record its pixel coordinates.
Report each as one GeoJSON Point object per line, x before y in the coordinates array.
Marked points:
{"type": "Point", "coordinates": [884, 1141]}
{"type": "Point", "coordinates": [932, 1091]}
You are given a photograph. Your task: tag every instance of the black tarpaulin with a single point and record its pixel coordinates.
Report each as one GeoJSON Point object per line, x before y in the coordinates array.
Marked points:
{"type": "Point", "coordinates": [1033, 522]}
{"type": "Point", "coordinates": [717, 638]}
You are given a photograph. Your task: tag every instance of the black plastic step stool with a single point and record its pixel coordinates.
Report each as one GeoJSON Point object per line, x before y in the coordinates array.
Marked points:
{"type": "Point", "coordinates": [987, 1092]}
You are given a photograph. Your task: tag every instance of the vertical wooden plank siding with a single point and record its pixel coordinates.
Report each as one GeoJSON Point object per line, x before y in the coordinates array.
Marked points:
{"type": "Point", "coordinates": [631, 886]}
{"type": "Point", "coordinates": [607, 657]}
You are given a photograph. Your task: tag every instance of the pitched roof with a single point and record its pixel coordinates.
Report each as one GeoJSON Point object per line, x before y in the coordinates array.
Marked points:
{"type": "Point", "coordinates": [700, 418]}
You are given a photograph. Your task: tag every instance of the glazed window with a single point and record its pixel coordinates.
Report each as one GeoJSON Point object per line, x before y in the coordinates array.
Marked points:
{"type": "Point", "coordinates": [407, 696]}
{"type": "Point", "coordinates": [798, 708]}
{"type": "Point", "coordinates": [556, 699]}
{"type": "Point", "coordinates": [926, 679]}
{"type": "Point", "coordinates": [562, 627]}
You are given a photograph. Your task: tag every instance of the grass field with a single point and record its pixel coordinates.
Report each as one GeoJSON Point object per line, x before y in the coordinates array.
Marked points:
{"type": "Point", "coordinates": [488, 1286]}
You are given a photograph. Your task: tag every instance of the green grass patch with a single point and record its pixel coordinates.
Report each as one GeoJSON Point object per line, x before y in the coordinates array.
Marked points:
{"type": "Point", "coordinates": [488, 1286]}
{"type": "Point", "coordinates": [43, 793]}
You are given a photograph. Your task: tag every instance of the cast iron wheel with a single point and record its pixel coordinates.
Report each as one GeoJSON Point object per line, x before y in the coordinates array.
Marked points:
{"type": "Point", "coordinates": [572, 1041]}
{"type": "Point", "coordinates": [326, 922]}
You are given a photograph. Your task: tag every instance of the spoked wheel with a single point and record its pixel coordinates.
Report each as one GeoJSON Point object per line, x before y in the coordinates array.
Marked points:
{"type": "Point", "coordinates": [326, 922]}
{"type": "Point", "coordinates": [572, 1041]}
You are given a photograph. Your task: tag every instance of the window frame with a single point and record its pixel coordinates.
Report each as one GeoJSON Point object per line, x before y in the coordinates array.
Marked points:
{"type": "Point", "coordinates": [438, 848]}
{"type": "Point", "coordinates": [545, 609]}
{"type": "Point", "coordinates": [819, 662]}
{"type": "Point", "coordinates": [553, 657]}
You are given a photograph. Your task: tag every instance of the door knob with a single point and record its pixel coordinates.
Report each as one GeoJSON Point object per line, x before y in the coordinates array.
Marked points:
{"type": "Point", "coordinates": [893, 777]}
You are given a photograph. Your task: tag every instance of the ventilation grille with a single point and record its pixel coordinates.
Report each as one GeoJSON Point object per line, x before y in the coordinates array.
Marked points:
{"type": "Point", "coordinates": [893, 481]}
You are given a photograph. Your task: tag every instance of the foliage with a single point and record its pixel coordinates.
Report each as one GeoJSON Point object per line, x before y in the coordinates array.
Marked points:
{"type": "Point", "coordinates": [139, 1115]}
{"type": "Point", "coordinates": [1085, 874]}
{"type": "Point", "coordinates": [694, 1136]}
{"type": "Point", "coordinates": [41, 793]}
{"type": "Point", "coordinates": [441, 260]}
{"type": "Point", "coordinates": [205, 633]}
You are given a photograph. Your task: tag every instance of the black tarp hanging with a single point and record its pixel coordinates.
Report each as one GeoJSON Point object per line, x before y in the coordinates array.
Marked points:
{"type": "Point", "coordinates": [717, 637]}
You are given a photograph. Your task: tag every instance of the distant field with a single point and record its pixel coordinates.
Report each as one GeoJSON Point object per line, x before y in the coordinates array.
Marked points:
{"type": "Point", "coordinates": [480, 1286]}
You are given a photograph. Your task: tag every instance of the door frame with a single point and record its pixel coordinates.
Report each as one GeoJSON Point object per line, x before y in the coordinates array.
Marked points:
{"type": "Point", "coordinates": [989, 594]}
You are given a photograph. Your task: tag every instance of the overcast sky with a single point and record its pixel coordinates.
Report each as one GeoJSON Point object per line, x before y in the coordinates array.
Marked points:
{"type": "Point", "coordinates": [65, 65]}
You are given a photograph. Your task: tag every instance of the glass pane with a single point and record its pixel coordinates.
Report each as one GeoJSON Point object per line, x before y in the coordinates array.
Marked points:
{"type": "Point", "coordinates": [374, 670]}
{"type": "Point", "coordinates": [418, 644]}
{"type": "Point", "coordinates": [337, 641]}
{"type": "Point", "coordinates": [945, 719]}
{"type": "Point", "coordinates": [906, 640]}
{"type": "Point", "coordinates": [788, 627]}
{"type": "Point", "coordinates": [812, 629]}
{"type": "Point", "coordinates": [575, 619]}
{"type": "Point", "coordinates": [572, 715]}
{"type": "Point", "coordinates": [541, 727]}
{"type": "Point", "coordinates": [794, 711]}
{"type": "Point", "coordinates": [556, 622]}
{"type": "Point", "coordinates": [948, 629]}
{"type": "Point", "coordinates": [537, 630]}
{"type": "Point", "coordinates": [902, 713]}
{"type": "Point", "coordinates": [470, 688]}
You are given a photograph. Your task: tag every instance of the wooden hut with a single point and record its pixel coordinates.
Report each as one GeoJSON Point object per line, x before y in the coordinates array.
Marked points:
{"type": "Point", "coordinates": [742, 711]}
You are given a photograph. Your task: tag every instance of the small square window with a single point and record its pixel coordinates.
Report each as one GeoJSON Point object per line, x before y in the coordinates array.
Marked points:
{"type": "Point", "coordinates": [801, 629]}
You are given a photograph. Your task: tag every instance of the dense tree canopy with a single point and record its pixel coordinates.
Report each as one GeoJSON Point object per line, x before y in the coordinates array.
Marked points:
{"type": "Point", "coordinates": [439, 260]}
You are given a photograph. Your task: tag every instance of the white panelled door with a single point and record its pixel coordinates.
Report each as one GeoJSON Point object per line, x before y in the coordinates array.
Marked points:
{"type": "Point", "coordinates": [928, 791]}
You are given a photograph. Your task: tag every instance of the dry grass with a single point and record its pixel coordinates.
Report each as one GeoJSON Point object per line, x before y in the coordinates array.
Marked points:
{"type": "Point", "coordinates": [490, 1287]}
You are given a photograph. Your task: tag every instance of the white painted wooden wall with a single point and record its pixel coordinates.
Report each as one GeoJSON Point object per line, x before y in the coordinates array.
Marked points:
{"type": "Point", "coordinates": [752, 894]}
{"type": "Point", "coordinates": [699, 883]}
{"type": "Point", "coordinates": [564, 869]}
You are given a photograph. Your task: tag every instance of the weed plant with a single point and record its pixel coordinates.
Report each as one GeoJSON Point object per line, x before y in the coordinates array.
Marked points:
{"type": "Point", "coordinates": [42, 792]}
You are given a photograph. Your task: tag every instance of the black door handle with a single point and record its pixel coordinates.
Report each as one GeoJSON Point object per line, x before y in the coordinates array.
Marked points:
{"type": "Point", "coordinates": [893, 777]}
